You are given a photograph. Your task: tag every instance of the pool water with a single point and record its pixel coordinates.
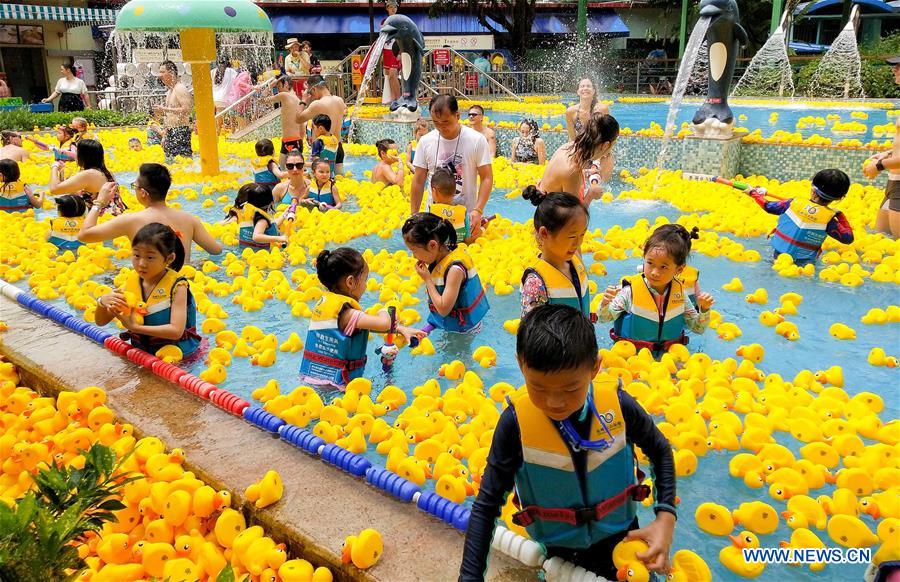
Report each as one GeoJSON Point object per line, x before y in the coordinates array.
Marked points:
{"type": "Point", "coordinates": [824, 304]}
{"type": "Point", "coordinates": [640, 115]}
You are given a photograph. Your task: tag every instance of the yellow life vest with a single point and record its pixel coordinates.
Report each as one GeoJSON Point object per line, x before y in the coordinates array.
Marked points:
{"type": "Point", "coordinates": [458, 216]}
{"type": "Point", "coordinates": [560, 289]}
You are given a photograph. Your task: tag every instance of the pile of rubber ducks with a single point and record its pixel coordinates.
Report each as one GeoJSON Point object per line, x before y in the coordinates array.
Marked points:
{"type": "Point", "coordinates": [173, 525]}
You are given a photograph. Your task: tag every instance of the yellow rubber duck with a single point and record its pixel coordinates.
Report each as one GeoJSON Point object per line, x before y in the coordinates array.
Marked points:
{"type": "Point", "coordinates": [734, 285]}
{"type": "Point", "coordinates": [181, 570]}
{"type": "Point", "coordinates": [753, 352]}
{"type": "Point", "coordinates": [270, 390]}
{"type": "Point", "coordinates": [453, 371]}
{"type": "Point", "coordinates": [759, 297]}
{"type": "Point", "coordinates": [714, 519]}
{"type": "Point", "coordinates": [154, 556]}
{"type": "Point", "coordinates": [833, 375]}
{"type": "Point", "coordinates": [850, 532]}
{"type": "Point", "coordinates": [177, 507]}
{"type": "Point", "coordinates": [732, 556]}
{"type": "Point", "coordinates": [425, 348]}
{"type": "Point", "coordinates": [788, 330]}
{"type": "Point", "coordinates": [758, 516]}
{"type": "Point", "coordinates": [170, 354]}
{"type": "Point", "coordinates": [297, 570]}
{"type": "Point", "coordinates": [264, 359]}
{"type": "Point", "coordinates": [228, 525]}
{"type": "Point", "coordinates": [363, 550]}
{"type": "Point", "coordinates": [804, 538]}
{"type": "Point", "coordinates": [770, 319]}
{"type": "Point", "coordinates": [115, 548]}
{"type": "Point", "coordinates": [214, 374]}
{"type": "Point", "coordinates": [842, 331]}
{"type": "Point", "coordinates": [486, 356]}
{"type": "Point", "coordinates": [355, 441]}
{"type": "Point", "coordinates": [266, 491]}
{"type": "Point", "coordinates": [813, 515]}
{"type": "Point", "coordinates": [878, 357]}
{"type": "Point", "coordinates": [166, 467]}
{"type": "Point", "coordinates": [292, 344]}
{"type": "Point", "coordinates": [787, 308]}
{"type": "Point", "coordinates": [689, 567]}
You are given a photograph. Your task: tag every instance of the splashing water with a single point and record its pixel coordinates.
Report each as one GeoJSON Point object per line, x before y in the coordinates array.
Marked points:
{"type": "Point", "coordinates": [371, 66]}
{"type": "Point", "coordinates": [838, 75]}
{"type": "Point", "coordinates": [769, 73]}
{"type": "Point", "coordinates": [698, 82]}
{"type": "Point", "coordinates": [691, 52]}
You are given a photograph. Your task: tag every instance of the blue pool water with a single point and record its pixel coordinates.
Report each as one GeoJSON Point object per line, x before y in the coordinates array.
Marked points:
{"type": "Point", "coordinates": [639, 116]}
{"type": "Point", "coordinates": [824, 304]}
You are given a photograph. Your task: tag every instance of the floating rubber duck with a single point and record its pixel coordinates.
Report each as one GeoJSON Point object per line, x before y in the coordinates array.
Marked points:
{"type": "Point", "coordinates": [787, 308]}
{"type": "Point", "coordinates": [292, 344]}
{"type": "Point", "coordinates": [833, 375]}
{"type": "Point", "coordinates": [734, 285]}
{"type": "Point", "coordinates": [788, 330]}
{"type": "Point", "coordinates": [770, 319]}
{"type": "Point", "coordinates": [794, 298]}
{"type": "Point", "coordinates": [264, 359]}
{"type": "Point", "coordinates": [511, 326]}
{"type": "Point", "coordinates": [850, 532]}
{"type": "Point", "coordinates": [689, 567]}
{"type": "Point", "coordinates": [214, 374]}
{"type": "Point", "coordinates": [452, 371]}
{"type": "Point", "coordinates": [170, 354]}
{"type": "Point", "coordinates": [753, 352]}
{"type": "Point", "coordinates": [363, 550]}
{"type": "Point", "coordinates": [166, 467]}
{"type": "Point", "coordinates": [759, 297]}
{"type": "Point", "coordinates": [728, 331]}
{"type": "Point", "coordinates": [486, 356]}
{"type": "Point", "coordinates": [714, 519]}
{"type": "Point", "coordinates": [842, 331]}
{"type": "Point", "coordinates": [803, 538]}
{"type": "Point", "coordinates": [732, 556]}
{"type": "Point", "coordinates": [758, 516]}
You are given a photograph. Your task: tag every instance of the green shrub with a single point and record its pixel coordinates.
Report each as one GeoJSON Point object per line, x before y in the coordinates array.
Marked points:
{"type": "Point", "coordinates": [878, 80]}
{"type": "Point", "coordinates": [25, 120]}
{"type": "Point", "coordinates": [39, 535]}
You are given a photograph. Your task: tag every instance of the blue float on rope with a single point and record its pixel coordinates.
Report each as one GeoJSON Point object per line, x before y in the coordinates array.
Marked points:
{"type": "Point", "coordinates": [444, 509]}
{"type": "Point", "coordinates": [263, 419]}
{"type": "Point", "coordinates": [392, 483]}
{"type": "Point", "coordinates": [301, 438]}
{"type": "Point", "coordinates": [344, 459]}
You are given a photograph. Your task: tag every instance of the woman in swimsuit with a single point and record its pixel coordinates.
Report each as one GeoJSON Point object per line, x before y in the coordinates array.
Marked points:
{"type": "Point", "coordinates": [578, 114]}
{"type": "Point", "coordinates": [92, 174]}
{"type": "Point", "coordinates": [565, 170]}
{"type": "Point", "coordinates": [529, 146]}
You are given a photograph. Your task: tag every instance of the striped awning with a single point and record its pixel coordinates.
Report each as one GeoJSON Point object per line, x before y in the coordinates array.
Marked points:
{"type": "Point", "coordinates": [61, 13]}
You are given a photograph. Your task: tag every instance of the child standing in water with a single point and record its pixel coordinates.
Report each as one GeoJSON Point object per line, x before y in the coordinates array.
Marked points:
{"type": "Point", "coordinates": [456, 297]}
{"type": "Point", "coordinates": [265, 169]}
{"type": "Point", "coordinates": [803, 225]}
{"type": "Point", "coordinates": [65, 151]}
{"type": "Point", "coordinates": [443, 192]}
{"type": "Point", "coordinates": [156, 305]}
{"type": "Point", "coordinates": [14, 195]}
{"type": "Point", "coordinates": [566, 447]}
{"type": "Point", "coordinates": [339, 332]}
{"type": "Point", "coordinates": [557, 275]}
{"type": "Point", "coordinates": [64, 229]}
{"type": "Point", "coordinates": [257, 228]}
{"type": "Point", "coordinates": [322, 193]}
{"type": "Point", "coordinates": [651, 309]}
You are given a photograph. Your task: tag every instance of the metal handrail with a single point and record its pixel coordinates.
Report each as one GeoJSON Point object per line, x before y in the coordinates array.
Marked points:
{"type": "Point", "coordinates": [246, 97]}
{"type": "Point", "coordinates": [496, 84]}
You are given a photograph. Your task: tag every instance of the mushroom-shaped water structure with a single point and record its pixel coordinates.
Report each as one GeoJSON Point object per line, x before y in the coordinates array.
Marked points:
{"type": "Point", "coordinates": [197, 22]}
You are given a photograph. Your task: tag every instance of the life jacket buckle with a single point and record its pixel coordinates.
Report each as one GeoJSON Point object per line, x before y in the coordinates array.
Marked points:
{"type": "Point", "coordinates": [641, 492]}
{"type": "Point", "coordinates": [585, 515]}
{"type": "Point", "coordinates": [523, 518]}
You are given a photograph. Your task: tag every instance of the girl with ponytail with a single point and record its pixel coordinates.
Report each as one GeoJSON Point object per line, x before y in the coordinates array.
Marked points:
{"type": "Point", "coordinates": [155, 304]}
{"type": "Point", "coordinates": [652, 309]}
{"type": "Point", "coordinates": [456, 297]}
{"type": "Point", "coordinates": [338, 336]}
{"type": "Point", "coordinates": [557, 274]}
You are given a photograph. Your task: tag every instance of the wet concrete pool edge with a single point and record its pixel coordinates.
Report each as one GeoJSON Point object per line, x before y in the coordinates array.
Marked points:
{"type": "Point", "coordinates": [321, 504]}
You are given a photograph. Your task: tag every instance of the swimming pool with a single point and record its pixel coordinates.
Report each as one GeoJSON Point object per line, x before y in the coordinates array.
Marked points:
{"type": "Point", "coordinates": [824, 303]}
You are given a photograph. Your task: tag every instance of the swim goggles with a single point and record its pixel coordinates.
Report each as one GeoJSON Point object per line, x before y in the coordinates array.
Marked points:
{"type": "Point", "coordinates": [823, 195]}
{"type": "Point", "coordinates": [576, 442]}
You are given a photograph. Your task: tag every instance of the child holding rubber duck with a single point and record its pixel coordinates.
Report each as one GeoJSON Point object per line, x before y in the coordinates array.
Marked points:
{"type": "Point", "coordinates": [652, 309]}
{"type": "Point", "coordinates": [803, 225]}
{"type": "Point", "coordinates": [338, 335]}
{"type": "Point", "coordinates": [571, 466]}
{"type": "Point", "coordinates": [155, 305]}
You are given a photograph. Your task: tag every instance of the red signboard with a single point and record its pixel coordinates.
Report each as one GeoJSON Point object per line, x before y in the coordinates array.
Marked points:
{"type": "Point", "coordinates": [441, 57]}
{"type": "Point", "coordinates": [471, 81]}
{"type": "Point", "coordinates": [356, 61]}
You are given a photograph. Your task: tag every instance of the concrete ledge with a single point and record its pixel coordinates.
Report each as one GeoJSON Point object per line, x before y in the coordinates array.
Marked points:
{"type": "Point", "coordinates": [321, 504]}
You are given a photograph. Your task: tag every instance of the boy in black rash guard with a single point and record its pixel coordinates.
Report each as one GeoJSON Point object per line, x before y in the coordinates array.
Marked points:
{"type": "Point", "coordinates": [567, 447]}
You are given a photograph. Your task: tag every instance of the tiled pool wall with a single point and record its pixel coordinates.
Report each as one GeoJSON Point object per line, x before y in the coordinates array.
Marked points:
{"type": "Point", "coordinates": [719, 157]}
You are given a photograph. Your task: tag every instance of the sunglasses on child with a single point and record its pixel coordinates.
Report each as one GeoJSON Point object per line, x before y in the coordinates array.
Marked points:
{"type": "Point", "coordinates": [298, 166]}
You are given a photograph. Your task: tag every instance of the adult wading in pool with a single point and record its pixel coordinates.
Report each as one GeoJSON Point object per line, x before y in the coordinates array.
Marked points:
{"type": "Point", "coordinates": [177, 110]}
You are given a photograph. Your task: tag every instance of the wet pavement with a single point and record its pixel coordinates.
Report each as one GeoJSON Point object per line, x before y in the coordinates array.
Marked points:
{"type": "Point", "coordinates": [321, 504]}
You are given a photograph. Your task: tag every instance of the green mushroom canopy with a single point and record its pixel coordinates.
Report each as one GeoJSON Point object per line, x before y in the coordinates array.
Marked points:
{"type": "Point", "coordinates": [174, 15]}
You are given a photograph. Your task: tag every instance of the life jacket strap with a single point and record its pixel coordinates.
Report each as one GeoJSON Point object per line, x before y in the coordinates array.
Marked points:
{"type": "Point", "coordinates": [795, 242]}
{"type": "Point", "coordinates": [155, 343]}
{"type": "Point", "coordinates": [460, 312]}
{"type": "Point", "coordinates": [345, 366]}
{"type": "Point", "coordinates": [652, 346]}
{"type": "Point", "coordinates": [581, 515]}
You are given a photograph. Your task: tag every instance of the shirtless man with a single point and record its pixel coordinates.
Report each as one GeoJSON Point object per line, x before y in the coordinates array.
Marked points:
{"type": "Point", "coordinates": [888, 220]}
{"type": "Point", "coordinates": [150, 188]}
{"type": "Point", "coordinates": [476, 121]}
{"type": "Point", "coordinates": [332, 106]}
{"type": "Point", "coordinates": [12, 146]}
{"type": "Point", "coordinates": [291, 106]}
{"type": "Point", "coordinates": [177, 110]}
